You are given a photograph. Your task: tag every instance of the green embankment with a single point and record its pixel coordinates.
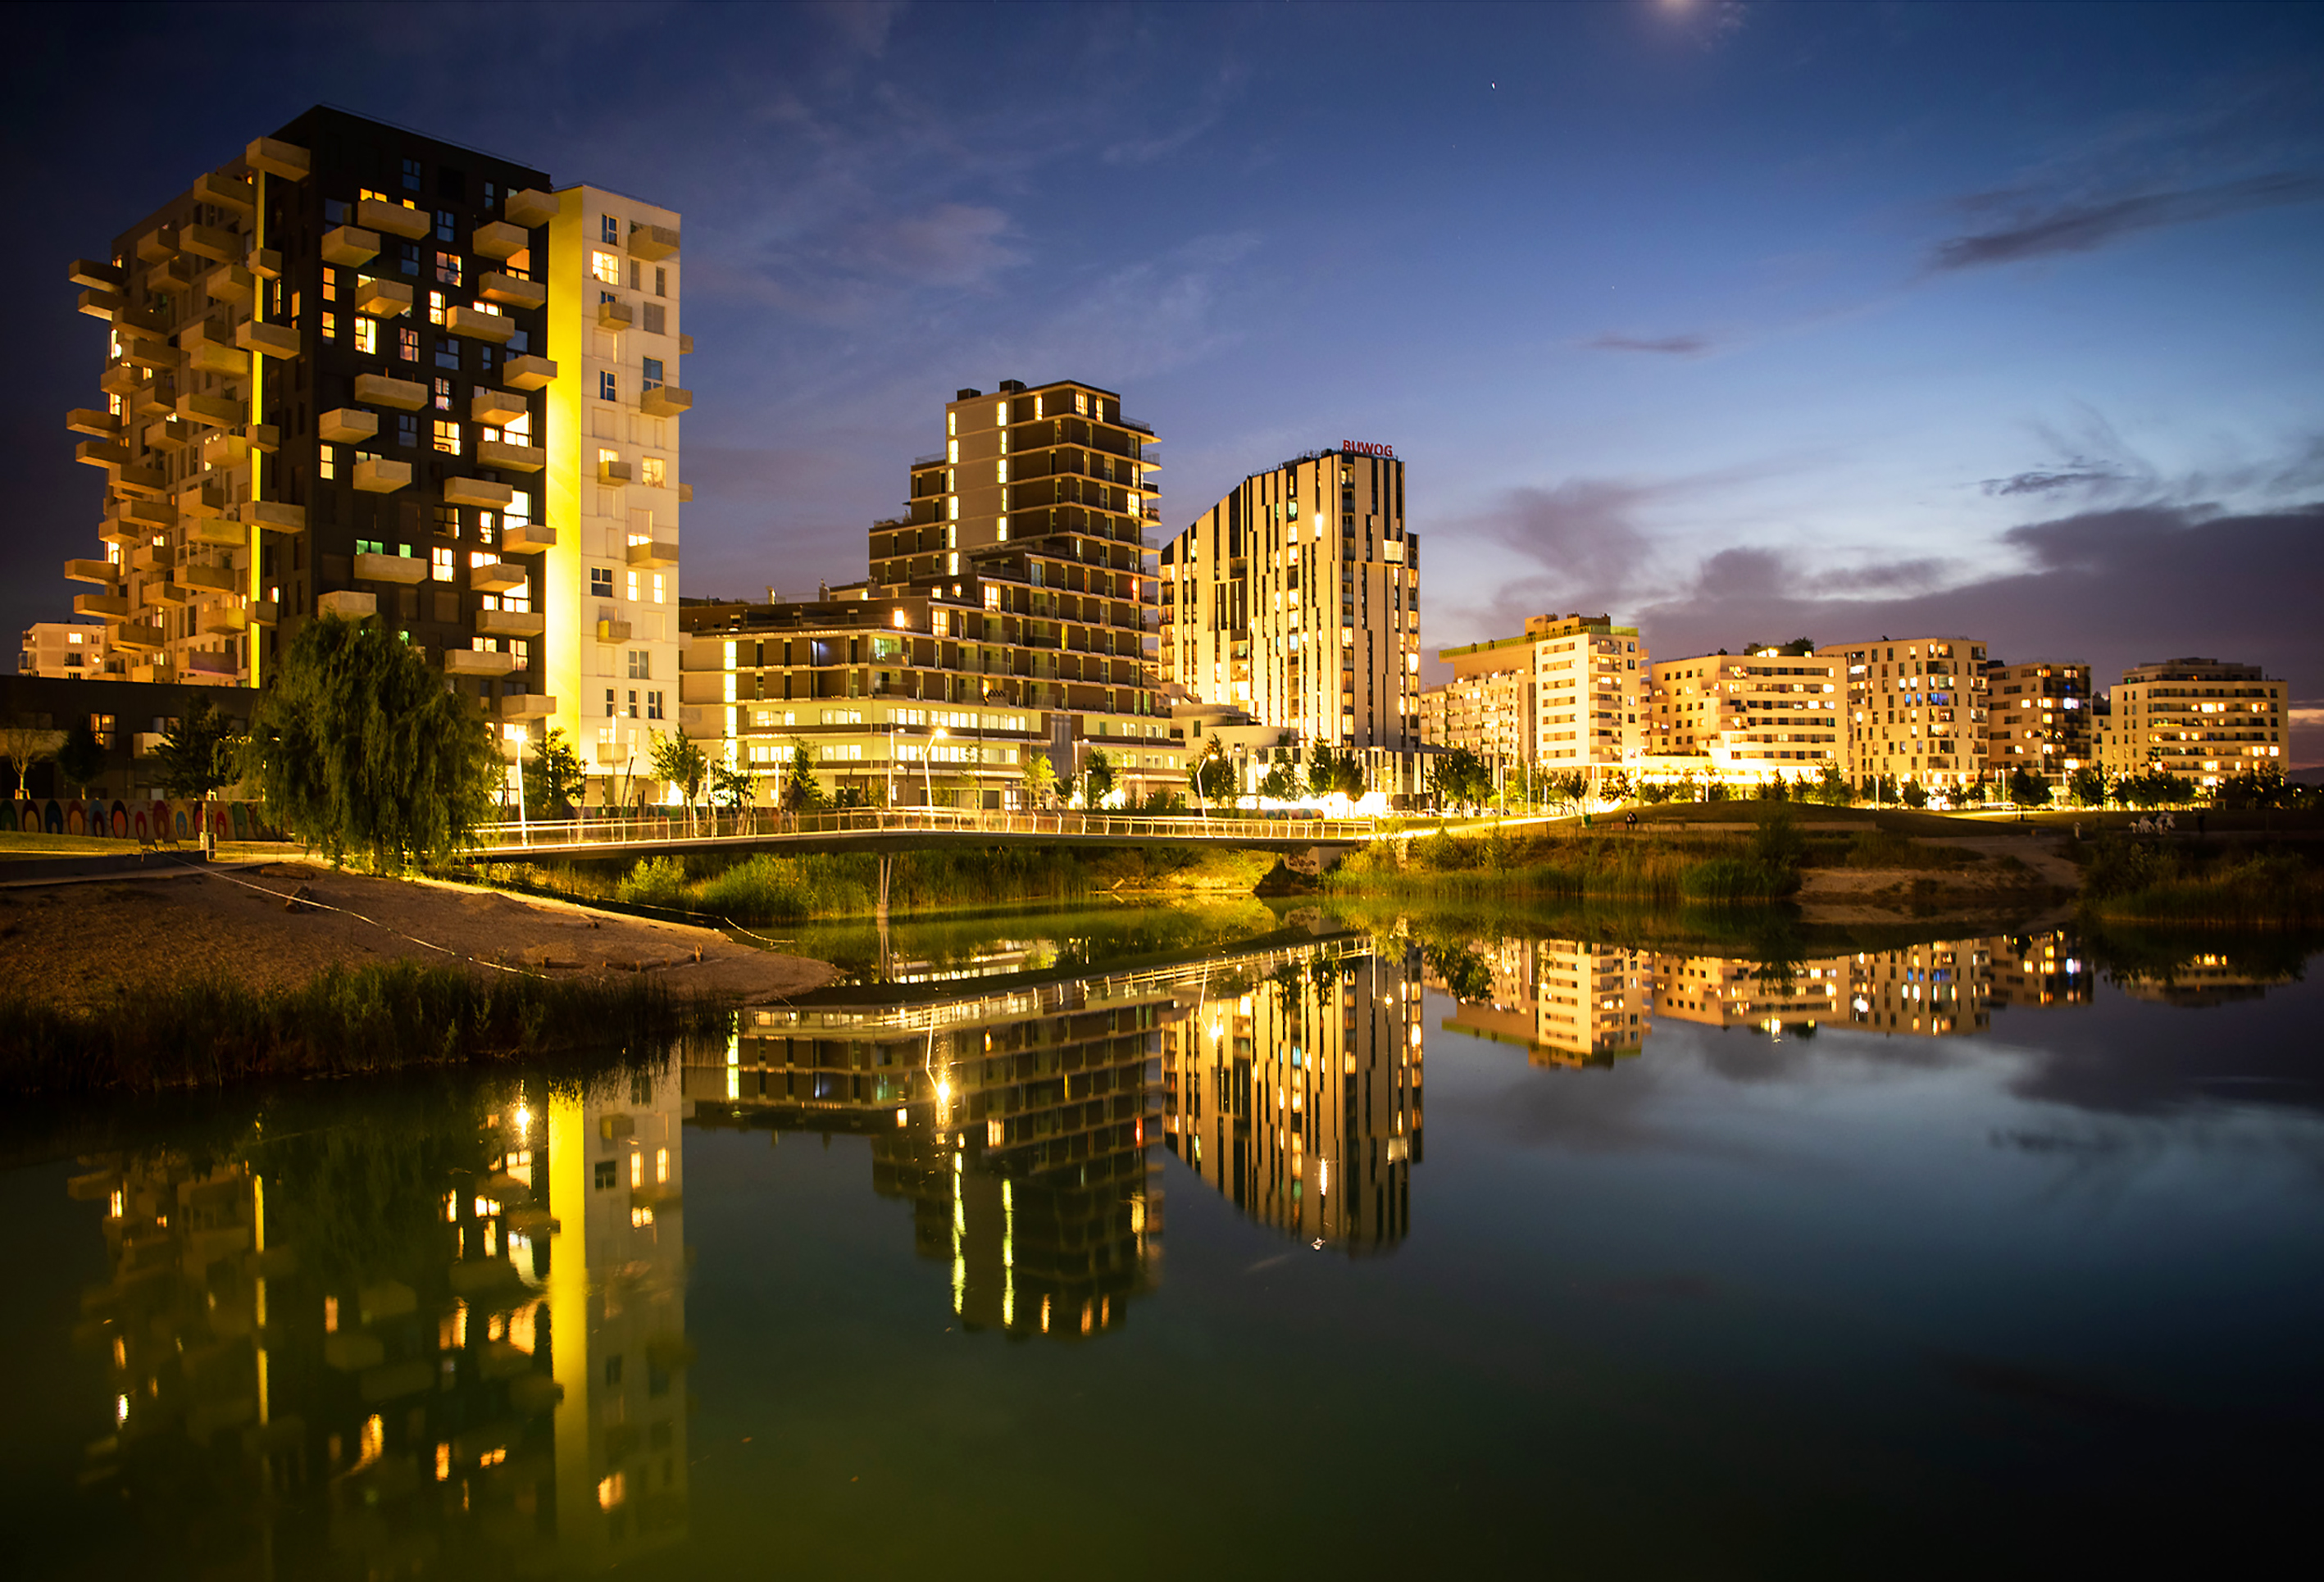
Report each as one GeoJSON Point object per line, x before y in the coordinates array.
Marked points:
{"type": "Point", "coordinates": [1649, 867]}
{"type": "Point", "coordinates": [203, 1032]}
{"type": "Point", "coordinates": [2227, 884]}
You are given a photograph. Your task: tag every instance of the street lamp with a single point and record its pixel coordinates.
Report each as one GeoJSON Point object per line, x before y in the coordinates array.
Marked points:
{"type": "Point", "coordinates": [927, 773]}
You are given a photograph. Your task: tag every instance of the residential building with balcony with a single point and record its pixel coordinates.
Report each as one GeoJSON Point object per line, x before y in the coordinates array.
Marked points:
{"type": "Point", "coordinates": [1769, 712]}
{"type": "Point", "coordinates": [1297, 598]}
{"type": "Point", "coordinates": [1568, 1003]}
{"type": "Point", "coordinates": [1915, 712]}
{"type": "Point", "coordinates": [2038, 719]}
{"type": "Point", "coordinates": [1570, 693]}
{"type": "Point", "coordinates": [2208, 720]}
{"type": "Point", "coordinates": [330, 385]}
{"type": "Point", "coordinates": [67, 650]}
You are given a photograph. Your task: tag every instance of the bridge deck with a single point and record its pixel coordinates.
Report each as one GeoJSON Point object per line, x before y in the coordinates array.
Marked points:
{"type": "Point", "coordinates": [899, 829]}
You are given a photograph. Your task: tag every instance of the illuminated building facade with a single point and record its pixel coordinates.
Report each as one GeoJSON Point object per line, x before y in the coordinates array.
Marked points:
{"type": "Point", "coordinates": [1296, 598]}
{"type": "Point", "coordinates": [1769, 712]}
{"type": "Point", "coordinates": [1565, 1002]}
{"type": "Point", "coordinates": [1569, 694]}
{"type": "Point", "coordinates": [2038, 719]}
{"type": "Point", "coordinates": [331, 384]}
{"type": "Point", "coordinates": [1915, 711]}
{"type": "Point", "coordinates": [69, 650]}
{"type": "Point", "coordinates": [1293, 1084]}
{"type": "Point", "coordinates": [2204, 719]}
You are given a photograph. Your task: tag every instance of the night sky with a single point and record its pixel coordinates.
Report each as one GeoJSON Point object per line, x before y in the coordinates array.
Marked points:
{"type": "Point", "coordinates": [1741, 322]}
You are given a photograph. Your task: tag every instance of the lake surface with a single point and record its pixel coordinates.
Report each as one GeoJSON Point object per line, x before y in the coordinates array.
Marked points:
{"type": "Point", "coordinates": [1325, 1251]}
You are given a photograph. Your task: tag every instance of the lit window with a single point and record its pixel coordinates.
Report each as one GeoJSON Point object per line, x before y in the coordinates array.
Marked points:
{"type": "Point", "coordinates": [605, 267]}
{"type": "Point", "coordinates": [407, 345]}
{"type": "Point", "coordinates": [634, 586]}
{"type": "Point", "coordinates": [659, 588]}
{"type": "Point", "coordinates": [435, 306]}
{"type": "Point", "coordinates": [330, 466]}
{"type": "Point", "coordinates": [367, 336]}
{"type": "Point", "coordinates": [448, 268]}
{"type": "Point", "coordinates": [442, 563]}
{"type": "Point", "coordinates": [330, 326]}
{"type": "Point", "coordinates": [519, 510]}
{"type": "Point", "coordinates": [443, 395]}
{"type": "Point", "coordinates": [448, 436]}
{"type": "Point", "coordinates": [650, 471]}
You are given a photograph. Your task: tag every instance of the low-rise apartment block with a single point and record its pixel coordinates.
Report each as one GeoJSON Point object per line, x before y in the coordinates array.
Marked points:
{"type": "Point", "coordinates": [2038, 718]}
{"type": "Point", "coordinates": [1767, 713]}
{"type": "Point", "coordinates": [2204, 719]}
{"type": "Point", "coordinates": [1915, 712]}
{"type": "Point", "coordinates": [1568, 693]}
{"type": "Point", "coordinates": [67, 650]}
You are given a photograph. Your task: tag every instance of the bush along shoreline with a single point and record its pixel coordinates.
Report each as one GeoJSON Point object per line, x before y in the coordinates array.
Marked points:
{"type": "Point", "coordinates": [2230, 886]}
{"type": "Point", "coordinates": [1654, 867]}
{"type": "Point", "coordinates": [345, 1021]}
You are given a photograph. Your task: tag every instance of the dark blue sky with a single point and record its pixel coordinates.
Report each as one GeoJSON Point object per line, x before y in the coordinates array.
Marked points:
{"type": "Point", "coordinates": [1745, 322]}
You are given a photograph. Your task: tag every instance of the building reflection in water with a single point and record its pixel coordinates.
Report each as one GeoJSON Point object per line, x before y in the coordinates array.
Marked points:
{"type": "Point", "coordinates": [451, 1342]}
{"type": "Point", "coordinates": [1019, 1124]}
{"type": "Point", "coordinates": [1574, 1003]}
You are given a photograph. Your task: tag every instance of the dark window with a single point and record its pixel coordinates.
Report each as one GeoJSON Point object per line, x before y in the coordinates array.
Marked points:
{"type": "Point", "coordinates": [607, 390]}
{"type": "Point", "coordinates": [447, 226]}
{"type": "Point", "coordinates": [605, 1174]}
{"type": "Point", "coordinates": [408, 257]}
{"type": "Point", "coordinates": [406, 428]}
{"type": "Point", "coordinates": [412, 175]}
{"type": "Point", "coordinates": [407, 345]}
{"type": "Point", "coordinates": [614, 1368]}
{"type": "Point", "coordinates": [607, 230]}
{"type": "Point", "coordinates": [451, 184]}
{"type": "Point", "coordinates": [661, 283]}
{"type": "Point", "coordinates": [601, 587]}
{"type": "Point", "coordinates": [652, 373]}
{"type": "Point", "coordinates": [447, 352]}
{"type": "Point", "coordinates": [335, 212]}
{"type": "Point", "coordinates": [492, 198]}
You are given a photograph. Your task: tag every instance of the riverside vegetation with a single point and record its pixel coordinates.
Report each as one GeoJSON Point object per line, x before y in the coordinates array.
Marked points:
{"type": "Point", "coordinates": [2228, 885]}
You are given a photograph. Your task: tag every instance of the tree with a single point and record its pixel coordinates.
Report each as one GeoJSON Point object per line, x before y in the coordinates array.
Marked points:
{"type": "Point", "coordinates": [1568, 790]}
{"type": "Point", "coordinates": [1276, 785]}
{"type": "Point", "coordinates": [1213, 780]}
{"type": "Point", "coordinates": [1348, 776]}
{"type": "Point", "coordinates": [2088, 787]}
{"type": "Point", "coordinates": [678, 758]}
{"type": "Point", "coordinates": [1831, 787]}
{"type": "Point", "coordinates": [552, 777]}
{"type": "Point", "coordinates": [1617, 786]}
{"type": "Point", "coordinates": [1097, 777]}
{"type": "Point", "coordinates": [80, 756]}
{"type": "Point", "coordinates": [1459, 779]}
{"type": "Point", "coordinates": [731, 786]}
{"type": "Point", "coordinates": [2252, 790]}
{"type": "Point", "coordinates": [2027, 789]}
{"type": "Point", "coordinates": [359, 745]}
{"type": "Point", "coordinates": [197, 752]}
{"type": "Point", "coordinates": [800, 791]}
{"type": "Point", "coordinates": [1039, 779]}
{"type": "Point", "coordinates": [1914, 794]}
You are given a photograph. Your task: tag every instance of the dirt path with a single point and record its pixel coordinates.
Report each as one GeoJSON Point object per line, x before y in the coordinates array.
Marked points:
{"type": "Point", "coordinates": [91, 941]}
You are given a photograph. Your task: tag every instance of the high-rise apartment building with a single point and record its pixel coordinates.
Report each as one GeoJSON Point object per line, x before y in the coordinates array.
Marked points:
{"type": "Point", "coordinates": [2038, 718]}
{"type": "Point", "coordinates": [1570, 693]}
{"type": "Point", "coordinates": [1770, 712]}
{"type": "Point", "coordinates": [1297, 598]}
{"type": "Point", "coordinates": [2205, 718]}
{"type": "Point", "coordinates": [1006, 615]}
{"type": "Point", "coordinates": [1916, 711]}
{"type": "Point", "coordinates": [332, 384]}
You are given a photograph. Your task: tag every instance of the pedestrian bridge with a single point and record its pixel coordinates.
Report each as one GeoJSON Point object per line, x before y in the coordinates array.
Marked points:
{"type": "Point", "coordinates": [887, 830]}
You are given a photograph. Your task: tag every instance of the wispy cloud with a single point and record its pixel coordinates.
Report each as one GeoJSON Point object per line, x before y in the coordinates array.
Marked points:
{"type": "Point", "coordinates": [1681, 346]}
{"type": "Point", "coordinates": [2043, 228]}
{"type": "Point", "coordinates": [2076, 474]}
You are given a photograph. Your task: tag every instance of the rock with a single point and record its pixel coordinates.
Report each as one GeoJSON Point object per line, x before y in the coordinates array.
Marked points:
{"type": "Point", "coordinates": [298, 899]}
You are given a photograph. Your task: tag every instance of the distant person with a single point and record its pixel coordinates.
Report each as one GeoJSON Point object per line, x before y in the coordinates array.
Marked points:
{"type": "Point", "coordinates": [1630, 821]}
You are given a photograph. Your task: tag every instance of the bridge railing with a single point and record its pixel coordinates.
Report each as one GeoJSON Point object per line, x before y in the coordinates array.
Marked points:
{"type": "Point", "coordinates": [767, 824]}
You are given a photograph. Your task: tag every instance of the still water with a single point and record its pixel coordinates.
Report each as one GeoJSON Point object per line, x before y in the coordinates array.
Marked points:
{"type": "Point", "coordinates": [1327, 1252]}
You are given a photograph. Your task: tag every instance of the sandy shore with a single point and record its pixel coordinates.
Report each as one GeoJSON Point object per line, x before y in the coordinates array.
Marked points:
{"type": "Point", "coordinates": [93, 940]}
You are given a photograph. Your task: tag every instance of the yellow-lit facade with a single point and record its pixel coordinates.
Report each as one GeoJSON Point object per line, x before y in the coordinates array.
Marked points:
{"type": "Point", "coordinates": [2039, 719]}
{"type": "Point", "coordinates": [2202, 719]}
{"type": "Point", "coordinates": [1770, 713]}
{"type": "Point", "coordinates": [1571, 694]}
{"type": "Point", "coordinates": [1915, 711]}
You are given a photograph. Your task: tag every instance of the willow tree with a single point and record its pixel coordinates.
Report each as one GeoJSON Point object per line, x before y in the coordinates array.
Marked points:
{"type": "Point", "coordinates": [360, 746]}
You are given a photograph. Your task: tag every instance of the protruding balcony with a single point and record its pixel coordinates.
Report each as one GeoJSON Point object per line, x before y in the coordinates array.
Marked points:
{"type": "Point", "coordinates": [350, 246]}
{"type": "Point", "coordinates": [226, 450]}
{"type": "Point", "coordinates": [347, 604]}
{"type": "Point", "coordinates": [511, 458]}
{"type": "Point", "coordinates": [158, 245]}
{"type": "Point", "coordinates": [652, 242]}
{"type": "Point", "coordinates": [138, 637]}
{"type": "Point", "coordinates": [170, 433]}
{"type": "Point", "coordinates": [230, 283]}
{"type": "Point", "coordinates": [379, 476]}
{"type": "Point", "coordinates": [382, 298]}
{"type": "Point", "coordinates": [224, 619]}
{"type": "Point", "coordinates": [150, 559]}
{"type": "Point", "coordinates": [154, 398]}
{"type": "Point", "coordinates": [480, 662]}
{"type": "Point", "coordinates": [610, 471]}
{"type": "Point", "coordinates": [531, 207]}
{"type": "Point", "coordinates": [127, 535]}
{"type": "Point", "coordinates": [347, 425]}
{"type": "Point", "coordinates": [272, 340]}
{"type": "Point", "coordinates": [497, 407]}
{"type": "Point", "coordinates": [510, 623]}
{"type": "Point", "coordinates": [476, 324]}
{"type": "Point", "coordinates": [141, 482]}
{"type": "Point", "coordinates": [90, 420]}
{"type": "Point", "coordinates": [273, 514]}
{"type": "Point", "coordinates": [207, 356]}
{"type": "Point", "coordinates": [172, 277]}
{"type": "Point", "coordinates": [120, 379]}
{"type": "Point", "coordinates": [96, 275]}
{"type": "Point", "coordinates": [209, 242]}
{"type": "Point", "coordinates": [654, 552]}
{"type": "Point", "coordinates": [150, 514]}
{"type": "Point", "coordinates": [199, 498]}
{"type": "Point", "coordinates": [499, 239]}
{"type": "Point", "coordinates": [685, 345]}
{"type": "Point", "coordinates": [101, 453]}
{"type": "Point", "coordinates": [216, 579]}
{"type": "Point", "coordinates": [376, 214]}
{"type": "Point", "coordinates": [97, 606]}
{"type": "Point", "coordinates": [527, 372]}
{"type": "Point", "coordinates": [496, 577]}
{"type": "Point", "coordinates": [148, 350]}
{"type": "Point", "coordinates": [667, 401]}
{"type": "Point", "coordinates": [391, 568]}
{"type": "Point", "coordinates": [264, 436]}
{"type": "Point", "coordinates": [481, 492]}
{"type": "Point", "coordinates": [527, 539]}
{"type": "Point", "coordinates": [265, 262]}
{"type": "Point", "coordinates": [686, 493]}
{"type": "Point", "coordinates": [613, 313]}
{"type": "Point", "coordinates": [104, 573]}
{"type": "Point", "coordinates": [222, 532]}
{"type": "Point", "coordinates": [613, 631]}
{"type": "Point", "coordinates": [263, 611]}
{"type": "Point", "coordinates": [378, 389]}
{"type": "Point", "coordinates": [510, 291]}
{"type": "Point", "coordinates": [215, 410]}
{"type": "Point", "coordinates": [277, 157]}
{"type": "Point", "coordinates": [97, 304]}
{"type": "Point", "coordinates": [527, 706]}
{"type": "Point", "coordinates": [228, 192]}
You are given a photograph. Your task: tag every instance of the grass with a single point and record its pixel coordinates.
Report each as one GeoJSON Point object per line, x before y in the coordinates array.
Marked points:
{"type": "Point", "coordinates": [2134, 882]}
{"type": "Point", "coordinates": [1881, 848]}
{"type": "Point", "coordinates": [1654, 868]}
{"type": "Point", "coordinates": [212, 1032]}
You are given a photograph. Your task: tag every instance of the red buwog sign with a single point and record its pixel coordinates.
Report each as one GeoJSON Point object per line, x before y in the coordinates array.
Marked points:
{"type": "Point", "coordinates": [1362, 447]}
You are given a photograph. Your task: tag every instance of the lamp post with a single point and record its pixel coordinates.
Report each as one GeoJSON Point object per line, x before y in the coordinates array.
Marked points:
{"type": "Point", "coordinates": [927, 773]}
